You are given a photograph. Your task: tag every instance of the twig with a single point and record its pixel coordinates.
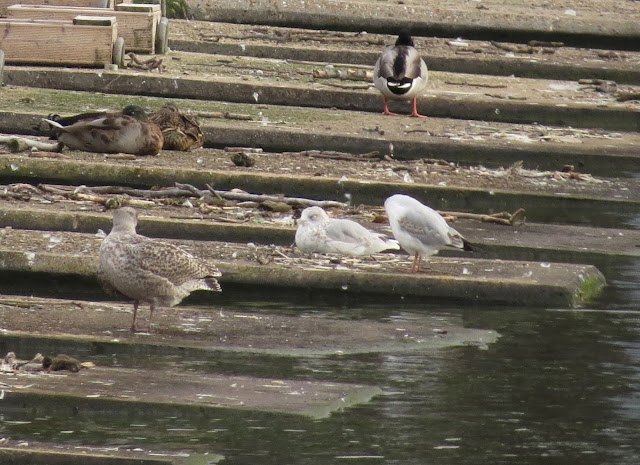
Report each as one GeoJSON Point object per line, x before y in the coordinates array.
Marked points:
{"type": "Point", "coordinates": [333, 155]}
{"type": "Point", "coordinates": [20, 144]}
{"type": "Point", "coordinates": [504, 218]}
{"type": "Point", "coordinates": [473, 84]}
{"type": "Point", "coordinates": [223, 114]}
{"type": "Point", "coordinates": [148, 65]}
{"type": "Point", "coordinates": [626, 96]}
{"type": "Point", "coordinates": [186, 190]}
{"type": "Point", "coordinates": [513, 48]}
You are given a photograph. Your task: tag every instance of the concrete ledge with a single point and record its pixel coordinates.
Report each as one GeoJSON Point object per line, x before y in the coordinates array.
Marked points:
{"type": "Point", "coordinates": [100, 389]}
{"type": "Point", "coordinates": [530, 241]}
{"type": "Point", "coordinates": [540, 111]}
{"type": "Point", "coordinates": [57, 454]}
{"type": "Point", "coordinates": [593, 211]}
{"type": "Point", "coordinates": [516, 23]}
{"type": "Point", "coordinates": [462, 280]}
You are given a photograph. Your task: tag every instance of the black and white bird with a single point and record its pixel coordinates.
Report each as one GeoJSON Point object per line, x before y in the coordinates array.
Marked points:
{"type": "Point", "coordinates": [420, 230]}
{"type": "Point", "coordinates": [400, 73]}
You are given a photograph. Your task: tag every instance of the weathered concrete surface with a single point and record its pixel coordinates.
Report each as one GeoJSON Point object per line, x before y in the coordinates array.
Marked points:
{"type": "Point", "coordinates": [529, 241]}
{"type": "Point", "coordinates": [38, 453]}
{"type": "Point", "coordinates": [518, 21]}
{"type": "Point", "coordinates": [287, 128]}
{"type": "Point", "coordinates": [448, 96]}
{"type": "Point", "coordinates": [465, 56]}
{"type": "Point", "coordinates": [103, 388]}
{"type": "Point", "coordinates": [603, 208]}
{"type": "Point", "coordinates": [462, 279]}
{"type": "Point", "coordinates": [209, 329]}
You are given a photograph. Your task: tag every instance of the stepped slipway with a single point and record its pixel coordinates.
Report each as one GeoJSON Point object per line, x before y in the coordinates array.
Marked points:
{"type": "Point", "coordinates": [527, 241]}
{"type": "Point", "coordinates": [74, 256]}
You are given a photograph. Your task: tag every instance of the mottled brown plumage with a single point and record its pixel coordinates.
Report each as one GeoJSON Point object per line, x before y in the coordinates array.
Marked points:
{"type": "Point", "coordinates": [126, 132]}
{"type": "Point", "coordinates": [181, 132]}
{"type": "Point", "coordinates": [149, 270]}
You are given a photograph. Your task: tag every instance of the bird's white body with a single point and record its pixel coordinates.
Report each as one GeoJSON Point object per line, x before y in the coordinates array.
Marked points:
{"type": "Point", "coordinates": [400, 73]}
{"type": "Point", "coordinates": [403, 82]}
{"type": "Point", "coordinates": [420, 230]}
{"type": "Point", "coordinates": [317, 232]}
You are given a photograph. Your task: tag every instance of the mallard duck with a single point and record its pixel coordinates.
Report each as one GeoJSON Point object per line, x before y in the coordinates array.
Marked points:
{"type": "Point", "coordinates": [125, 132]}
{"type": "Point", "coordinates": [149, 270]}
{"type": "Point", "coordinates": [318, 233]}
{"type": "Point", "coordinates": [400, 73]}
{"type": "Point", "coordinates": [181, 132]}
{"type": "Point", "coordinates": [420, 230]}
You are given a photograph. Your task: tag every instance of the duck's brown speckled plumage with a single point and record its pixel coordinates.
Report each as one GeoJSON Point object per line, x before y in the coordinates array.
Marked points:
{"type": "Point", "coordinates": [125, 132]}
{"type": "Point", "coordinates": [148, 270]}
{"type": "Point", "coordinates": [181, 131]}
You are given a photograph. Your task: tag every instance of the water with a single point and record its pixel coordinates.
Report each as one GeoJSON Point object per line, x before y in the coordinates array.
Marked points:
{"type": "Point", "coordinates": [560, 386]}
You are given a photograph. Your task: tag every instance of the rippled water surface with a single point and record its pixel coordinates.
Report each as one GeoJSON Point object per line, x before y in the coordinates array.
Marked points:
{"type": "Point", "coordinates": [560, 386]}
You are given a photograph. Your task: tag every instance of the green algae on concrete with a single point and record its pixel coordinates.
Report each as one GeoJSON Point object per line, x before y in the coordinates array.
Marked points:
{"type": "Point", "coordinates": [101, 388]}
{"type": "Point", "coordinates": [57, 454]}
{"type": "Point", "coordinates": [585, 209]}
{"type": "Point", "coordinates": [468, 280]}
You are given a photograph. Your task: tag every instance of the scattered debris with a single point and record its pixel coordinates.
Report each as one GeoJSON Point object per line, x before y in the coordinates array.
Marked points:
{"type": "Point", "coordinates": [21, 144]}
{"type": "Point", "coordinates": [148, 65]}
{"type": "Point", "coordinates": [243, 159]}
{"type": "Point", "coordinates": [348, 74]}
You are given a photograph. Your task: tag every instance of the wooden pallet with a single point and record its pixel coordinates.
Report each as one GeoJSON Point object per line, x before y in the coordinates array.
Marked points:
{"type": "Point", "coordinates": [137, 23]}
{"type": "Point", "coordinates": [5, 4]}
{"type": "Point", "coordinates": [85, 40]}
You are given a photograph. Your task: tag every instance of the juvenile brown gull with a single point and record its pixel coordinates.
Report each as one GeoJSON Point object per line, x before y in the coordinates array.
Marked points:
{"type": "Point", "coordinates": [420, 230]}
{"type": "Point", "coordinates": [318, 233]}
{"type": "Point", "coordinates": [149, 270]}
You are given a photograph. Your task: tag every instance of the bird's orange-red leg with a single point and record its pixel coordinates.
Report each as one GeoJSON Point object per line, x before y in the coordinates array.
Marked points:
{"type": "Point", "coordinates": [415, 113]}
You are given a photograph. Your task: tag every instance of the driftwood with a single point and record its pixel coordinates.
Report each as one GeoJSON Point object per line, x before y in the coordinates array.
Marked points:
{"type": "Point", "coordinates": [473, 84]}
{"type": "Point", "coordinates": [148, 65]}
{"type": "Point", "coordinates": [20, 144]}
{"type": "Point", "coordinates": [506, 218]}
{"type": "Point", "coordinates": [626, 96]}
{"type": "Point", "coordinates": [332, 155]}
{"type": "Point", "coordinates": [98, 195]}
{"type": "Point", "coordinates": [223, 114]}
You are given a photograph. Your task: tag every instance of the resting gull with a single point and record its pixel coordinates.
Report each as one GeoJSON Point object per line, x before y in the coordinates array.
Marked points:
{"type": "Point", "coordinates": [318, 233]}
{"type": "Point", "coordinates": [148, 270]}
{"type": "Point", "coordinates": [420, 230]}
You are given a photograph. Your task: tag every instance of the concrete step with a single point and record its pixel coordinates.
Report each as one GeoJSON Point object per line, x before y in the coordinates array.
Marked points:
{"type": "Point", "coordinates": [541, 60]}
{"type": "Point", "coordinates": [73, 256]}
{"type": "Point", "coordinates": [269, 82]}
{"type": "Point", "coordinates": [586, 25]}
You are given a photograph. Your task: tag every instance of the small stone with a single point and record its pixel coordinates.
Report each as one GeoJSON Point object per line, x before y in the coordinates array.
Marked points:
{"type": "Point", "coordinates": [243, 159]}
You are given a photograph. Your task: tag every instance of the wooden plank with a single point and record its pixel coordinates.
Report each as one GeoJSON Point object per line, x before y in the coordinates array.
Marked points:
{"type": "Point", "coordinates": [57, 42]}
{"type": "Point", "coordinates": [137, 26]}
{"type": "Point", "coordinates": [5, 4]}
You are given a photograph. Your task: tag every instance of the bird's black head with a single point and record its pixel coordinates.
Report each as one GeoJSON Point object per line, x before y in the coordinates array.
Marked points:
{"type": "Point", "coordinates": [404, 38]}
{"type": "Point", "coordinates": [135, 111]}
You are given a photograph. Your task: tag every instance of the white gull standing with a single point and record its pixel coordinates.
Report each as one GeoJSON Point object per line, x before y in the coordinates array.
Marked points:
{"type": "Point", "coordinates": [149, 270]}
{"type": "Point", "coordinates": [318, 233]}
{"type": "Point", "coordinates": [420, 230]}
